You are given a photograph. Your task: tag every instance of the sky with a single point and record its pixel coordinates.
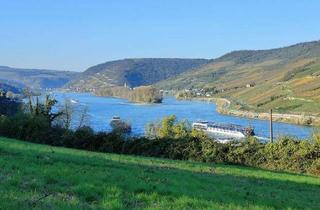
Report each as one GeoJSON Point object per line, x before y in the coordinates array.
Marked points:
{"type": "Point", "coordinates": [76, 34]}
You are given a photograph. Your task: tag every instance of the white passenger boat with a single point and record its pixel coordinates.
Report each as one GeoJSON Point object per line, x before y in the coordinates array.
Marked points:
{"type": "Point", "coordinates": [223, 131]}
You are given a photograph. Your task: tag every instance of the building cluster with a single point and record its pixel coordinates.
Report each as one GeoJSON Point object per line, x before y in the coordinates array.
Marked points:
{"type": "Point", "coordinates": [197, 92]}
{"type": "Point", "coordinates": [209, 92]}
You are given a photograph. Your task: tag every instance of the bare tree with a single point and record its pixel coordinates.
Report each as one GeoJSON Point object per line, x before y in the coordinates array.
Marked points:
{"type": "Point", "coordinates": [67, 114]}
{"type": "Point", "coordinates": [83, 116]}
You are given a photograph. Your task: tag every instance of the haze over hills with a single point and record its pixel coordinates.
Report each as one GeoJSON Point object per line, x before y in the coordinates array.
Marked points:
{"type": "Point", "coordinates": [35, 78]}
{"type": "Point", "coordinates": [133, 72]}
{"type": "Point", "coordinates": [287, 79]}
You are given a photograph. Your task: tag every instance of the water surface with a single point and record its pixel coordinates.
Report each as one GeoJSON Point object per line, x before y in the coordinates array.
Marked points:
{"type": "Point", "coordinates": [102, 109]}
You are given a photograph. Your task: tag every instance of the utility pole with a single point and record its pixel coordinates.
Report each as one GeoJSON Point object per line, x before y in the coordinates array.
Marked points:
{"type": "Point", "coordinates": [271, 127]}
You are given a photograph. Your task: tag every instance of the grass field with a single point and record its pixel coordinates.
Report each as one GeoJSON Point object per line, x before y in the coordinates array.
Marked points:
{"type": "Point", "coordinates": [44, 177]}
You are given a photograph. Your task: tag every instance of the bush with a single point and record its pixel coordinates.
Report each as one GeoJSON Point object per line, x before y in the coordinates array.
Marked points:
{"type": "Point", "coordinates": [315, 167]}
{"type": "Point", "coordinates": [246, 153]}
{"type": "Point", "coordinates": [83, 137]}
{"type": "Point", "coordinates": [26, 127]}
{"type": "Point", "coordinates": [8, 106]}
{"type": "Point", "coordinates": [177, 142]}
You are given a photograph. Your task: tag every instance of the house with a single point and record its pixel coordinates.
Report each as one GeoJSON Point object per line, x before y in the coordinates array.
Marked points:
{"type": "Point", "coordinates": [252, 84]}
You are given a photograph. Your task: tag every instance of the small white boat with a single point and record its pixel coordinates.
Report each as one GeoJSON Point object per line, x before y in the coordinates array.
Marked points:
{"type": "Point", "coordinates": [74, 101]}
{"type": "Point", "coordinates": [115, 118]}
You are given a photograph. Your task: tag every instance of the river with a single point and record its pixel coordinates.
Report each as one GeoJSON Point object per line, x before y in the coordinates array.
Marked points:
{"type": "Point", "coordinates": [102, 109]}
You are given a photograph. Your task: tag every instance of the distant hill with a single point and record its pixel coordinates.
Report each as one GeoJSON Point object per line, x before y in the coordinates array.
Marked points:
{"type": "Point", "coordinates": [10, 88]}
{"type": "Point", "coordinates": [133, 72]}
{"type": "Point", "coordinates": [286, 79]}
{"type": "Point", "coordinates": [35, 78]}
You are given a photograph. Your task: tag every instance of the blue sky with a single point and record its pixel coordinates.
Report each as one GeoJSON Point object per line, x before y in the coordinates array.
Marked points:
{"type": "Point", "coordinates": [76, 34]}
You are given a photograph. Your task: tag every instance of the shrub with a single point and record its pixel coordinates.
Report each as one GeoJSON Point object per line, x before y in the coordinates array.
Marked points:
{"type": "Point", "coordinates": [315, 167]}
{"type": "Point", "coordinates": [177, 142]}
{"type": "Point", "coordinates": [83, 137]}
{"type": "Point", "coordinates": [248, 152]}
{"type": "Point", "coordinates": [316, 137]}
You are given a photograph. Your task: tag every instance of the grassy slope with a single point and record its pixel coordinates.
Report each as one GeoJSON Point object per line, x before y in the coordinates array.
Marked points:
{"type": "Point", "coordinates": [44, 177]}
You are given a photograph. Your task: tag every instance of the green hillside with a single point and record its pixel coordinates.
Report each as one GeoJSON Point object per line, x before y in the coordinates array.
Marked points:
{"type": "Point", "coordinates": [11, 88]}
{"type": "Point", "coordinates": [133, 72]}
{"type": "Point", "coordinates": [285, 79]}
{"type": "Point", "coordinates": [44, 177]}
{"type": "Point", "coordinates": [35, 78]}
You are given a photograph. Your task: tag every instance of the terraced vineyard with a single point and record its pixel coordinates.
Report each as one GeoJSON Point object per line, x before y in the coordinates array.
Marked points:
{"type": "Point", "coordinates": [285, 79]}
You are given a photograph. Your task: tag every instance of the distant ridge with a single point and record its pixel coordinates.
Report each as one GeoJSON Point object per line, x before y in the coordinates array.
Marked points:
{"type": "Point", "coordinates": [134, 72]}
{"type": "Point", "coordinates": [305, 49]}
{"type": "Point", "coordinates": [35, 78]}
{"type": "Point", "coordinates": [9, 88]}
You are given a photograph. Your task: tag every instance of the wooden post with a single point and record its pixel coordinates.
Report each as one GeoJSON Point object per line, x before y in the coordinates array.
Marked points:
{"type": "Point", "coordinates": [271, 127]}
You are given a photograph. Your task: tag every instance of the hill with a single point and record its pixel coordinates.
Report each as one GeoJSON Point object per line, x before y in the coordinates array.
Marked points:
{"type": "Point", "coordinates": [35, 78]}
{"type": "Point", "coordinates": [286, 79]}
{"type": "Point", "coordinates": [133, 72]}
{"type": "Point", "coordinates": [44, 177]}
{"type": "Point", "coordinates": [10, 88]}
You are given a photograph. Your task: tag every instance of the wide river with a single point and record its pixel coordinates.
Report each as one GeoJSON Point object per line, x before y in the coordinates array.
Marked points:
{"type": "Point", "coordinates": [102, 109]}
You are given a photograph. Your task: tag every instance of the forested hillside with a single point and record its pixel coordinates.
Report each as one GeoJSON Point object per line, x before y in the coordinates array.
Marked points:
{"type": "Point", "coordinates": [133, 72]}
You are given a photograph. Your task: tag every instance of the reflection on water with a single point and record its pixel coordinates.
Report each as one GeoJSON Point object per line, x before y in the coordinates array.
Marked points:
{"type": "Point", "coordinates": [102, 109]}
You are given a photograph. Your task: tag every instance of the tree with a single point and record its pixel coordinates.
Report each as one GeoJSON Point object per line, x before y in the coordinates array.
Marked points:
{"type": "Point", "coordinates": [182, 129]}
{"type": "Point", "coordinates": [67, 111]}
{"type": "Point", "coordinates": [84, 117]}
{"type": "Point", "coordinates": [166, 130]}
{"type": "Point", "coordinates": [8, 106]}
{"type": "Point", "coordinates": [45, 109]}
{"type": "Point", "coordinates": [151, 130]}
{"type": "Point", "coordinates": [170, 128]}
{"type": "Point", "coordinates": [120, 127]}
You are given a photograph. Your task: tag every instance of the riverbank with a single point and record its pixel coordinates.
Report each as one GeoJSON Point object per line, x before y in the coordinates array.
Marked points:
{"type": "Point", "coordinates": [224, 107]}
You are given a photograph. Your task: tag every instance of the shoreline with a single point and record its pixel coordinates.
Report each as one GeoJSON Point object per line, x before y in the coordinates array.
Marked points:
{"type": "Point", "coordinates": [223, 107]}
{"type": "Point", "coordinates": [138, 102]}
{"type": "Point", "coordinates": [130, 101]}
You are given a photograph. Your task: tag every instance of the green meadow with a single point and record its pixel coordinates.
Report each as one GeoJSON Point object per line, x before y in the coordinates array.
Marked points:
{"type": "Point", "coordinates": [36, 176]}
